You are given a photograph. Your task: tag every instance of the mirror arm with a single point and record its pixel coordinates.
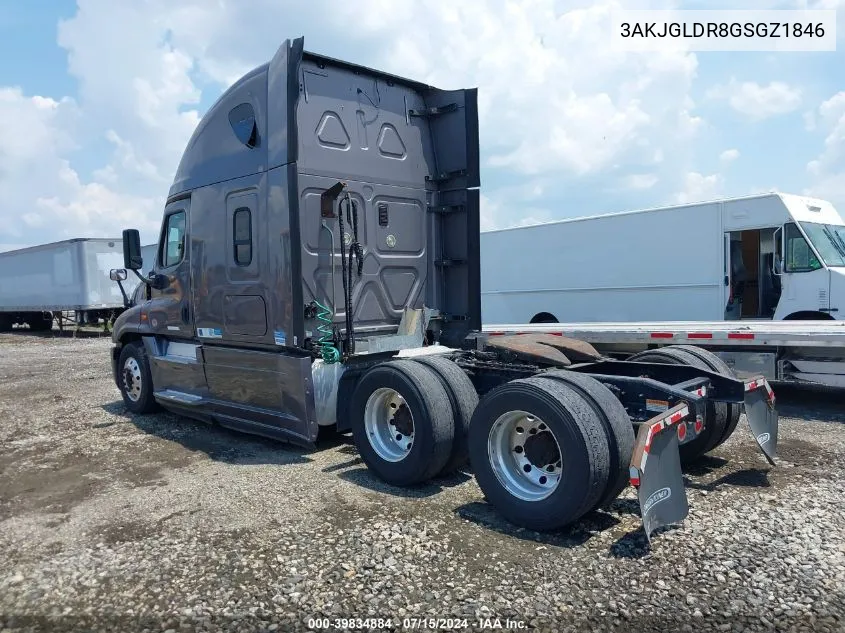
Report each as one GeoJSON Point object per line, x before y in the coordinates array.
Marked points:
{"type": "Point", "coordinates": [154, 281]}
{"type": "Point", "coordinates": [141, 277]}
{"type": "Point", "coordinates": [123, 292]}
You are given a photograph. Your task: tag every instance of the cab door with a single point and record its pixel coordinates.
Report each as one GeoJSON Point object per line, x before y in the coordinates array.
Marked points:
{"type": "Point", "coordinates": [805, 282]}
{"type": "Point", "coordinates": [170, 308]}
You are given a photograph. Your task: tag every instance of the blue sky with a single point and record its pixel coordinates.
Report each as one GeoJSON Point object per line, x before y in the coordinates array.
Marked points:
{"type": "Point", "coordinates": [100, 96]}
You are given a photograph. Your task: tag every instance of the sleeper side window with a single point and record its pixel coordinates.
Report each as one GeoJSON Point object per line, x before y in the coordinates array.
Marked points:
{"type": "Point", "coordinates": [242, 236]}
{"type": "Point", "coordinates": [174, 240]}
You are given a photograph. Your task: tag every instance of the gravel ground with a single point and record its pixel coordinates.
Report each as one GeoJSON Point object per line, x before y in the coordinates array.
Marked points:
{"type": "Point", "coordinates": [157, 523]}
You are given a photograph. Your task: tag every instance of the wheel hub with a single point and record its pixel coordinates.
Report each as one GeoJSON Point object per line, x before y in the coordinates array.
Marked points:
{"type": "Point", "coordinates": [132, 379]}
{"type": "Point", "coordinates": [541, 449]}
{"type": "Point", "coordinates": [389, 424]}
{"type": "Point", "coordinates": [402, 420]}
{"type": "Point", "coordinates": [524, 455]}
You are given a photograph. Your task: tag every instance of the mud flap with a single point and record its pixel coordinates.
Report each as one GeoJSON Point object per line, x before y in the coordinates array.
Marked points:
{"type": "Point", "coordinates": [762, 416]}
{"type": "Point", "coordinates": [656, 471]}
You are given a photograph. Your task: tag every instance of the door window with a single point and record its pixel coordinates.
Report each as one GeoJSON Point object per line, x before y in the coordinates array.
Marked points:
{"type": "Point", "coordinates": [799, 256]}
{"type": "Point", "coordinates": [174, 236]}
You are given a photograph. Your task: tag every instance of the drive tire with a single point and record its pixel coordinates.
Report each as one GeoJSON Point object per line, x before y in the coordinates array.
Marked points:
{"type": "Point", "coordinates": [716, 413]}
{"type": "Point", "coordinates": [431, 413]}
{"type": "Point", "coordinates": [581, 439]}
{"type": "Point", "coordinates": [718, 365]}
{"type": "Point", "coordinates": [463, 398]}
{"type": "Point", "coordinates": [138, 398]}
{"type": "Point", "coordinates": [616, 422]}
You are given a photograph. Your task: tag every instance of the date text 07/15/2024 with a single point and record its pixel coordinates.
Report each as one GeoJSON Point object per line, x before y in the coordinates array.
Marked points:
{"type": "Point", "coordinates": [411, 624]}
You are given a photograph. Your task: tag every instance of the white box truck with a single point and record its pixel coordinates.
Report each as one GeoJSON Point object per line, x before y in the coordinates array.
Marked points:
{"type": "Point", "coordinates": [710, 261]}
{"type": "Point", "coordinates": [717, 274]}
{"type": "Point", "coordinates": [39, 282]}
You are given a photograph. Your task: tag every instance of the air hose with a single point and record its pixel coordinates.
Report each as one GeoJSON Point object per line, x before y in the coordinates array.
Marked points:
{"type": "Point", "coordinates": [355, 252]}
{"type": "Point", "coordinates": [325, 327]}
{"type": "Point", "coordinates": [328, 334]}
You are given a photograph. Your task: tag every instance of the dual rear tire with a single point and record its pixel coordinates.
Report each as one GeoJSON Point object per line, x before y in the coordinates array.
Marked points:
{"type": "Point", "coordinates": [545, 450]}
{"type": "Point", "coordinates": [721, 418]}
{"type": "Point", "coordinates": [410, 419]}
{"type": "Point", "coordinates": [548, 449]}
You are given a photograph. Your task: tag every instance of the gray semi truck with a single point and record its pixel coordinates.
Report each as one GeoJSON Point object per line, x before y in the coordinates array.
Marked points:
{"type": "Point", "coordinates": [318, 268]}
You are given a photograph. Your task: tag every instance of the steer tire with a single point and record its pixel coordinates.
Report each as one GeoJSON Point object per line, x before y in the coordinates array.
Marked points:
{"type": "Point", "coordinates": [718, 365]}
{"type": "Point", "coordinates": [433, 423]}
{"type": "Point", "coordinates": [581, 438]}
{"type": "Point", "coordinates": [617, 424]}
{"type": "Point", "coordinates": [145, 401]}
{"type": "Point", "coordinates": [463, 398]}
{"type": "Point", "coordinates": [716, 413]}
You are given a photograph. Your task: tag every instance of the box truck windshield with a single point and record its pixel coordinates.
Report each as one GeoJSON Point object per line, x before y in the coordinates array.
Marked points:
{"type": "Point", "coordinates": [828, 240]}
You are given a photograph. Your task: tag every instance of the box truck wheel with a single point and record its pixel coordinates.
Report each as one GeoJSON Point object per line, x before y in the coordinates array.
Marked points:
{"type": "Point", "coordinates": [539, 453]}
{"type": "Point", "coordinates": [716, 413]}
{"type": "Point", "coordinates": [463, 398]}
{"type": "Point", "coordinates": [402, 422]}
{"type": "Point", "coordinates": [616, 422]}
{"type": "Point", "coordinates": [135, 379]}
{"type": "Point", "coordinates": [718, 365]}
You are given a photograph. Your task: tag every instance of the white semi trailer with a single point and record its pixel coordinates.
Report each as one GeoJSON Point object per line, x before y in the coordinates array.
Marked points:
{"type": "Point", "coordinates": [42, 282]}
{"type": "Point", "coordinates": [719, 274]}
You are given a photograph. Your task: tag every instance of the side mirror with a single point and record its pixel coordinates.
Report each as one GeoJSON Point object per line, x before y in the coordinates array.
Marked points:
{"type": "Point", "coordinates": [117, 274]}
{"type": "Point", "coordinates": [132, 249]}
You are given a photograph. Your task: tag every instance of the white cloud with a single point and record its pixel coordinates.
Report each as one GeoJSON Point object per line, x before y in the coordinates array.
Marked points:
{"type": "Point", "coordinates": [512, 205]}
{"type": "Point", "coordinates": [757, 101]}
{"type": "Point", "coordinates": [699, 188]}
{"type": "Point", "coordinates": [553, 103]}
{"type": "Point", "coordinates": [640, 181]}
{"type": "Point", "coordinates": [729, 155]}
{"type": "Point", "coordinates": [550, 99]}
{"type": "Point", "coordinates": [828, 169]}
{"type": "Point", "coordinates": [36, 132]}
{"type": "Point", "coordinates": [490, 212]}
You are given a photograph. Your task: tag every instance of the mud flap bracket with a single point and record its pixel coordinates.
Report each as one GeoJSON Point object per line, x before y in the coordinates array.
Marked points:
{"type": "Point", "coordinates": [655, 471]}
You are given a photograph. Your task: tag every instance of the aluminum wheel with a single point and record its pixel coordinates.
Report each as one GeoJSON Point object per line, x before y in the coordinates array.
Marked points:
{"type": "Point", "coordinates": [524, 455]}
{"type": "Point", "coordinates": [132, 379]}
{"type": "Point", "coordinates": [389, 424]}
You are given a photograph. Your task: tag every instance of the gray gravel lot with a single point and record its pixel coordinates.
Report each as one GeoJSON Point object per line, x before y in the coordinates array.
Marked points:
{"type": "Point", "coordinates": [114, 522]}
